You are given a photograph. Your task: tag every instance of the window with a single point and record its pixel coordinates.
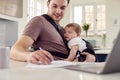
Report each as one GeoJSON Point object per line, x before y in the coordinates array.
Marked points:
{"type": "Point", "coordinates": [93, 15]}
{"type": "Point", "coordinates": [78, 17]}
{"type": "Point", "coordinates": [100, 18]}
{"type": "Point", "coordinates": [34, 8]}
{"type": "Point", "coordinates": [89, 16]}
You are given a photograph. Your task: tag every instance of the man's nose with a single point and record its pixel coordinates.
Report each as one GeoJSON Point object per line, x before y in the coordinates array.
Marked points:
{"type": "Point", "coordinates": [58, 10]}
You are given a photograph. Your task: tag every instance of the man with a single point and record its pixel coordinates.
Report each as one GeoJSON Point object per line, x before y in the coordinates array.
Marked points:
{"type": "Point", "coordinates": [40, 33]}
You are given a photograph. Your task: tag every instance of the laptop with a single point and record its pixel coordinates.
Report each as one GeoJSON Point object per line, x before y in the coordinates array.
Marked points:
{"type": "Point", "coordinates": [111, 64]}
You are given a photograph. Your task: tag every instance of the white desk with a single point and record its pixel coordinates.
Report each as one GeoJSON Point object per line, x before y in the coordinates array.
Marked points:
{"type": "Point", "coordinates": [17, 71]}
{"type": "Point", "coordinates": [102, 51]}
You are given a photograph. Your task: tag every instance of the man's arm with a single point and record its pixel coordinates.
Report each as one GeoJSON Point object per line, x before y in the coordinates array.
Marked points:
{"type": "Point", "coordinates": [19, 51]}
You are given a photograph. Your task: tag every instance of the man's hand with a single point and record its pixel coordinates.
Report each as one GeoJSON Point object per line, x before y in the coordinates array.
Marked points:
{"type": "Point", "coordinates": [40, 55]}
{"type": "Point", "coordinates": [89, 57]}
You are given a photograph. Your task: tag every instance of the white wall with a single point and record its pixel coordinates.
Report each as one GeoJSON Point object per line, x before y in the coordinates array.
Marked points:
{"type": "Point", "coordinates": [21, 21]}
{"type": "Point", "coordinates": [113, 20]}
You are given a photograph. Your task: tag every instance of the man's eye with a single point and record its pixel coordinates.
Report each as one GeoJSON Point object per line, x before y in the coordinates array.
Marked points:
{"type": "Point", "coordinates": [55, 6]}
{"type": "Point", "coordinates": [62, 8]}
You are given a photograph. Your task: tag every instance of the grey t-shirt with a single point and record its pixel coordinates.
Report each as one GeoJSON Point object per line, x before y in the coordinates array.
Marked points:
{"type": "Point", "coordinates": [45, 35]}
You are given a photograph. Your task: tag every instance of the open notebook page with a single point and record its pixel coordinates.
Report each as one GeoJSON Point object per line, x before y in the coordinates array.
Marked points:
{"type": "Point", "coordinates": [58, 63]}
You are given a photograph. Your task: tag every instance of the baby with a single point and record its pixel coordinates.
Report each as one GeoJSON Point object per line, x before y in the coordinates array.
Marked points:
{"type": "Point", "coordinates": [75, 42]}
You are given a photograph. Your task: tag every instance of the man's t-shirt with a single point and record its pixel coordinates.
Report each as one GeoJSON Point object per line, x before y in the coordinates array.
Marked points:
{"type": "Point", "coordinates": [45, 35]}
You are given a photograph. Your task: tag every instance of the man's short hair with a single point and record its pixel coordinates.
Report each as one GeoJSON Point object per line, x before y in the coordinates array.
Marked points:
{"type": "Point", "coordinates": [67, 0]}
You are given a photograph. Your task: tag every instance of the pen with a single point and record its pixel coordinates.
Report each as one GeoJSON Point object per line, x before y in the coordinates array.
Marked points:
{"type": "Point", "coordinates": [47, 57]}
{"type": "Point", "coordinates": [40, 48]}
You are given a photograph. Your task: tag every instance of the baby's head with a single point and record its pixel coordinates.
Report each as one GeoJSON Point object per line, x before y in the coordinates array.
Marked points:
{"type": "Point", "coordinates": [71, 31]}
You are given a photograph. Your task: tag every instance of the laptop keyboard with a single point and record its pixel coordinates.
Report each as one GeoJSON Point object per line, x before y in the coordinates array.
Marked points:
{"type": "Point", "coordinates": [89, 67]}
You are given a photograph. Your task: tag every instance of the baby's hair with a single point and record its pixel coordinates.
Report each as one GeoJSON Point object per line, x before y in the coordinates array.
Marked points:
{"type": "Point", "coordinates": [76, 27]}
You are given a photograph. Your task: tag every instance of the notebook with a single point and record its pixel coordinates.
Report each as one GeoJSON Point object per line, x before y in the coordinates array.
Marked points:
{"type": "Point", "coordinates": [111, 64]}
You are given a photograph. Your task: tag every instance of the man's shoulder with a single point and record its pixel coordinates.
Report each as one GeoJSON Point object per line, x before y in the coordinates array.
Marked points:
{"type": "Point", "coordinates": [37, 17]}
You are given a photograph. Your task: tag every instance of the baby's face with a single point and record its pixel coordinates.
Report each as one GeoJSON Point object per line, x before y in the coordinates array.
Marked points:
{"type": "Point", "coordinates": [69, 33]}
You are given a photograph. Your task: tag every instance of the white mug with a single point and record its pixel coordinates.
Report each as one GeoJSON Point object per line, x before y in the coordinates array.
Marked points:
{"type": "Point", "coordinates": [4, 57]}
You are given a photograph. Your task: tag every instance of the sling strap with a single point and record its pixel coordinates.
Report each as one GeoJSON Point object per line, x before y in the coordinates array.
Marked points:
{"type": "Point", "coordinates": [58, 54]}
{"type": "Point", "coordinates": [50, 20]}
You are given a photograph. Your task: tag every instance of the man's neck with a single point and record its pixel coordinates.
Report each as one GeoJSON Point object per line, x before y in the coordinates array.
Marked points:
{"type": "Point", "coordinates": [57, 22]}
